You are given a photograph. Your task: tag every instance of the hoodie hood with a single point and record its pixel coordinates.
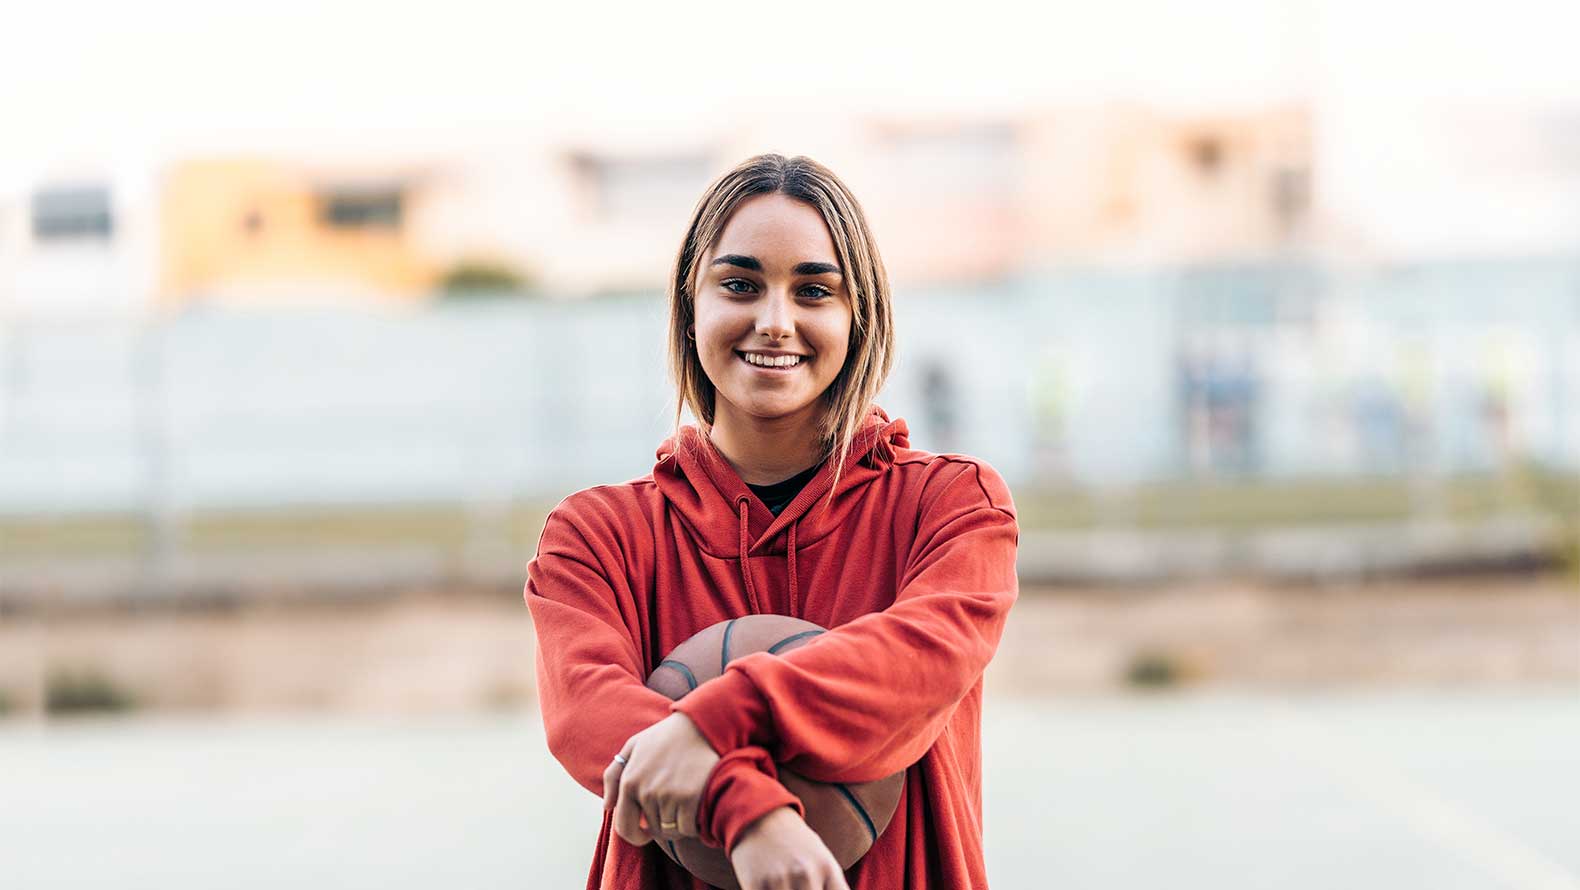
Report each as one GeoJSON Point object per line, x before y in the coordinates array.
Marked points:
{"type": "Point", "coordinates": [728, 521]}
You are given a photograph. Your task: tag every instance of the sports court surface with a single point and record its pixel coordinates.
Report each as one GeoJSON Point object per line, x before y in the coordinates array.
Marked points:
{"type": "Point", "coordinates": [1429, 789]}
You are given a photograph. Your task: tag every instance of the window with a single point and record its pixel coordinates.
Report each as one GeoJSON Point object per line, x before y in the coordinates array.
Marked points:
{"type": "Point", "coordinates": [72, 213]}
{"type": "Point", "coordinates": [362, 209]}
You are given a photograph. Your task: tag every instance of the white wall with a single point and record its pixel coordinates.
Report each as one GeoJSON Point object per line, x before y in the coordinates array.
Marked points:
{"type": "Point", "coordinates": [80, 277]}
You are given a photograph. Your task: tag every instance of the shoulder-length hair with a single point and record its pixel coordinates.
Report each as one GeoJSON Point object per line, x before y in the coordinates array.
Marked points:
{"type": "Point", "coordinates": [870, 354]}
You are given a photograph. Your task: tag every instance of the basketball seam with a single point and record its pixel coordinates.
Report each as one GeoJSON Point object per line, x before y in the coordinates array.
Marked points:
{"type": "Point", "coordinates": [774, 649]}
{"type": "Point", "coordinates": [724, 651]}
{"type": "Point", "coordinates": [860, 810]}
{"type": "Point", "coordinates": [691, 679]}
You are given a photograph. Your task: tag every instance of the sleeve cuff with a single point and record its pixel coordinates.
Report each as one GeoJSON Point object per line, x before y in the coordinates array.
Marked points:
{"type": "Point", "coordinates": [742, 788]}
{"type": "Point", "coordinates": [729, 712]}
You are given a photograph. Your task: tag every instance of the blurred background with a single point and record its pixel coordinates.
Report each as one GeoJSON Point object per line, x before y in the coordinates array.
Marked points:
{"type": "Point", "coordinates": [1269, 312]}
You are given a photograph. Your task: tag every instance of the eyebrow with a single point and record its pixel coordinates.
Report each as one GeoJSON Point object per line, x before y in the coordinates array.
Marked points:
{"type": "Point", "coordinates": [752, 263]}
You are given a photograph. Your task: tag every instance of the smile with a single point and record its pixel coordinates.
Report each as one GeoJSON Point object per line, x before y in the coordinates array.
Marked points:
{"type": "Point", "coordinates": [772, 363]}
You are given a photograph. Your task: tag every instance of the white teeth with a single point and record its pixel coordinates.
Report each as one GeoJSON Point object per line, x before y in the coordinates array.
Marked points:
{"type": "Point", "coordinates": [772, 361]}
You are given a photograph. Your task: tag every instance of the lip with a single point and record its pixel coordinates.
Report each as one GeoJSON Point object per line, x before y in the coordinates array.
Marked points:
{"type": "Point", "coordinates": [741, 354]}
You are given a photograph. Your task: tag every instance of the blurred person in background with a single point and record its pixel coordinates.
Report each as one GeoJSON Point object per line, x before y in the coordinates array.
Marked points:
{"type": "Point", "coordinates": [794, 495]}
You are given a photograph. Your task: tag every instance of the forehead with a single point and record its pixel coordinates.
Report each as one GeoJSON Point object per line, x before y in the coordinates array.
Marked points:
{"type": "Point", "coordinates": [778, 230]}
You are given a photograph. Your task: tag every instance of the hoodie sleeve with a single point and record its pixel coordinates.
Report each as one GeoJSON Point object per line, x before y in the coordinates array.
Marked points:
{"type": "Point", "coordinates": [591, 686]}
{"type": "Point", "coordinates": [870, 697]}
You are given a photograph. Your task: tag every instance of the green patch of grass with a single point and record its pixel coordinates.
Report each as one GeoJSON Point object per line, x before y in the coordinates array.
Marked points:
{"type": "Point", "coordinates": [440, 525]}
{"type": "Point", "coordinates": [448, 527]}
{"type": "Point", "coordinates": [475, 277]}
{"type": "Point", "coordinates": [108, 534]}
{"type": "Point", "coordinates": [1154, 669]}
{"type": "Point", "coordinates": [1229, 504]}
{"type": "Point", "coordinates": [443, 526]}
{"type": "Point", "coordinates": [1567, 550]}
{"type": "Point", "coordinates": [82, 690]}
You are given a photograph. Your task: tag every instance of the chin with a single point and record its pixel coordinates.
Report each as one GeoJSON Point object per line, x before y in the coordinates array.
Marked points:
{"type": "Point", "coordinates": [774, 412]}
{"type": "Point", "coordinates": [771, 409]}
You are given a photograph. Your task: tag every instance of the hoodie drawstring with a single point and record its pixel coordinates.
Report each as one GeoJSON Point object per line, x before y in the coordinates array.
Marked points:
{"type": "Point", "coordinates": [746, 566]}
{"type": "Point", "coordinates": [795, 593]}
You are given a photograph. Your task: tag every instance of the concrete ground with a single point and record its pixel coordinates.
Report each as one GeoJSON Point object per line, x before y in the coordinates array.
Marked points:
{"type": "Point", "coordinates": [1412, 734]}
{"type": "Point", "coordinates": [1422, 789]}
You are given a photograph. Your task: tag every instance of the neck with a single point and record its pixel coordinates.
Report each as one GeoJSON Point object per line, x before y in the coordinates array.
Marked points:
{"type": "Point", "coordinates": [765, 450]}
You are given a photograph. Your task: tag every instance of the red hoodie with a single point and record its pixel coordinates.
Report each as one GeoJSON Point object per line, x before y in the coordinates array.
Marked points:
{"type": "Point", "coordinates": [911, 567]}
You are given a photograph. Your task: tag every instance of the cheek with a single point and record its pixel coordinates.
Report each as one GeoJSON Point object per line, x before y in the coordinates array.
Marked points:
{"type": "Point", "coordinates": [835, 346]}
{"type": "Point", "coordinates": [713, 332]}
{"type": "Point", "coordinates": [716, 339]}
{"type": "Point", "coordinates": [711, 355]}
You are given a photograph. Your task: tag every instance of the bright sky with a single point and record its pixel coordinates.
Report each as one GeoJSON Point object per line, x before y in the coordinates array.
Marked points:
{"type": "Point", "coordinates": [165, 73]}
{"type": "Point", "coordinates": [135, 83]}
{"type": "Point", "coordinates": [162, 75]}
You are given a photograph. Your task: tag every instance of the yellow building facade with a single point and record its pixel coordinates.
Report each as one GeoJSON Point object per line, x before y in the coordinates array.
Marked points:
{"type": "Point", "coordinates": [237, 230]}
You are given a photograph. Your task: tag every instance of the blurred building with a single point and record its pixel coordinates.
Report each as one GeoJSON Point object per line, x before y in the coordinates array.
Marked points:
{"type": "Point", "coordinates": [953, 200]}
{"type": "Point", "coordinates": [256, 229]}
{"type": "Point", "coordinates": [79, 240]}
{"type": "Point", "coordinates": [1130, 185]}
{"type": "Point", "coordinates": [1448, 180]}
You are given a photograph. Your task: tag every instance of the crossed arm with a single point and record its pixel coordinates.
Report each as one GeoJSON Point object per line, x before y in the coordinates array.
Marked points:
{"type": "Point", "coordinates": [706, 762]}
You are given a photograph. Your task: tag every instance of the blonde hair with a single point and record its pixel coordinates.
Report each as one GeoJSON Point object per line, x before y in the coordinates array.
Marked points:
{"type": "Point", "coordinates": [871, 349]}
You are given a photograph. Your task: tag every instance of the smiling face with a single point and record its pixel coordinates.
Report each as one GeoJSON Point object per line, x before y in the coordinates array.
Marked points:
{"type": "Point", "coordinates": [773, 313]}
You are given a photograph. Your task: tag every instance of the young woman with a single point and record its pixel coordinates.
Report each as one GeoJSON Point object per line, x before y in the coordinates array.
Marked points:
{"type": "Point", "coordinates": [795, 495]}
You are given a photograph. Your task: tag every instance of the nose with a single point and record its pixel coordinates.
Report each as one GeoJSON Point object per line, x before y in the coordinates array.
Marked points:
{"type": "Point", "coordinates": [776, 317]}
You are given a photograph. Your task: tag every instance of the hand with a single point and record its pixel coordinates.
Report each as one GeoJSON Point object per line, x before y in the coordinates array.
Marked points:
{"type": "Point", "coordinates": [667, 767]}
{"type": "Point", "coordinates": [780, 851]}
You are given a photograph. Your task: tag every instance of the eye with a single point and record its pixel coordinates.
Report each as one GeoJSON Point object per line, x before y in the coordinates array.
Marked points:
{"type": "Point", "coordinates": [744, 286]}
{"type": "Point", "coordinates": [816, 291]}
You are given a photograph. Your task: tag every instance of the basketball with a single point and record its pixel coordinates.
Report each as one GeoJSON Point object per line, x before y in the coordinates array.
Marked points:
{"type": "Point", "coordinates": [848, 817]}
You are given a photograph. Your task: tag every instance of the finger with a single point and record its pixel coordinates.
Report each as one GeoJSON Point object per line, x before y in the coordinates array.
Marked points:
{"type": "Point", "coordinates": [628, 814]}
{"type": "Point", "coordinates": [612, 773]}
{"type": "Point", "coordinates": [686, 815]}
{"type": "Point", "coordinates": [668, 826]}
{"type": "Point", "coordinates": [838, 882]}
{"type": "Point", "coordinates": [655, 822]}
{"type": "Point", "coordinates": [611, 783]}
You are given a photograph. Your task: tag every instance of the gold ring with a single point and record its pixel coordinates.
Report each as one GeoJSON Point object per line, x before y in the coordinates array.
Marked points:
{"type": "Point", "coordinates": [667, 826]}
